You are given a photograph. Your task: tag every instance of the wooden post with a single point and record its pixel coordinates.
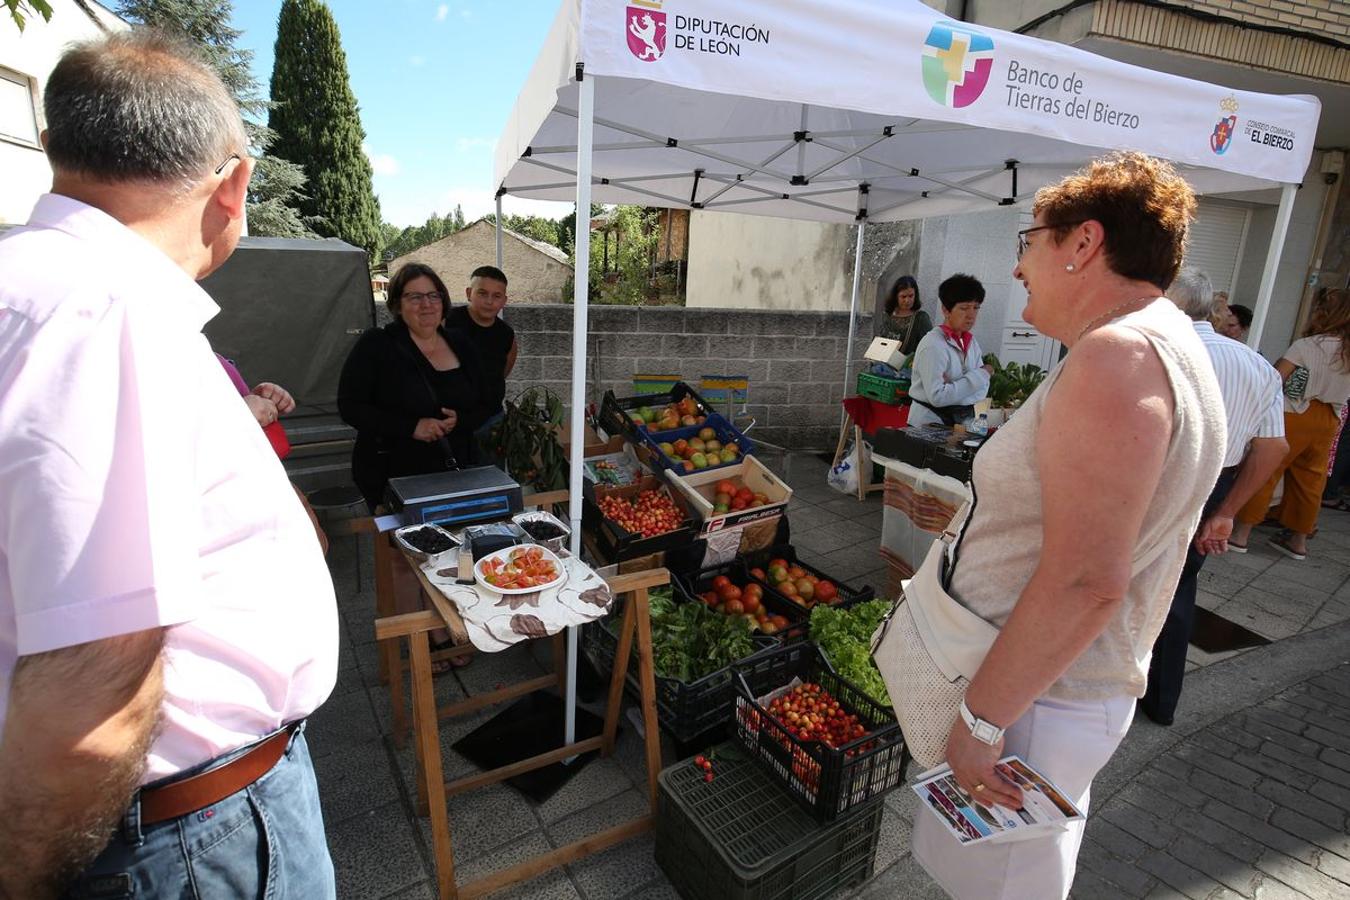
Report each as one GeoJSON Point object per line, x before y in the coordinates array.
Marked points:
{"type": "Point", "coordinates": [616, 678]}
{"type": "Point", "coordinates": [647, 686]}
{"type": "Point", "coordinates": [432, 779]}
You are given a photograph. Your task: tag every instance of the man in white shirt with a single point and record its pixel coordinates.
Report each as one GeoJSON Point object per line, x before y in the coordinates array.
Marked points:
{"type": "Point", "coordinates": [1254, 404]}
{"type": "Point", "coordinates": [166, 618]}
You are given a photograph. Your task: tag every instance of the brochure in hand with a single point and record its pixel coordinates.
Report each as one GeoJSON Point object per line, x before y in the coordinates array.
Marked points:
{"type": "Point", "coordinates": [1044, 807]}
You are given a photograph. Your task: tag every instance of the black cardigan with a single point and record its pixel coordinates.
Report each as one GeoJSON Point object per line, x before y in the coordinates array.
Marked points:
{"type": "Point", "coordinates": [386, 386]}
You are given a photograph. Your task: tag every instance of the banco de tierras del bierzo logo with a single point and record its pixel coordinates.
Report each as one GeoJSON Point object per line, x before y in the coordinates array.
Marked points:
{"type": "Point", "coordinates": [957, 61]}
{"type": "Point", "coordinates": [1221, 138]}
{"type": "Point", "coordinates": [645, 28]}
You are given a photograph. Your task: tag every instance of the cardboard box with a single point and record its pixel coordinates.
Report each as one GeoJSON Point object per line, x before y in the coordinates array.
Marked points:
{"type": "Point", "coordinates": [699, 489]}
{"type": "Point", "coordinates": [885, 350]}
{"type": "Point", "coordinates": [593, 444]}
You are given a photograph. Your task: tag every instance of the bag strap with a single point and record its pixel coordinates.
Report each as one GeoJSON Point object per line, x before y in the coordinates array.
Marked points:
{"type": "Point", "coordinates": [443, 442]}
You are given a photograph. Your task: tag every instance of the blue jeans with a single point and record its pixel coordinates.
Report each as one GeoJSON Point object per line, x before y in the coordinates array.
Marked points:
{"type": "Point", "coordinates": [266, 841]}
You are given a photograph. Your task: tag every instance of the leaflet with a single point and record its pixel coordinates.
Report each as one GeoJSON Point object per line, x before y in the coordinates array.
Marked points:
{"type": "Point", "coordinates": [1044, 806]}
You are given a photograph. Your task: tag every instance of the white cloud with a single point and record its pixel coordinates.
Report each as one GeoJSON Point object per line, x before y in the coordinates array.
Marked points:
{"type": "Point", "coordinates": [442, 11]}
{"type": "Point", "coordinates": [416, 61]}
{"type": "Point", "coordinates": [468, 144]}
{"type": "Point", "coordinates": [382, 163]}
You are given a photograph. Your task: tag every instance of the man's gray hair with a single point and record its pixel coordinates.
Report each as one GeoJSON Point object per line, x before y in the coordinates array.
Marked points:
{"type": "Point", "coordinates": [1193, 294]}
{"type": "Point", "coordinates": [139, 106]}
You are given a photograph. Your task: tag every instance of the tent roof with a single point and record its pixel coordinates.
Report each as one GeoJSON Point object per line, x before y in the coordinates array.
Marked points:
{"type": "Point", "coordinates": [789, 107]}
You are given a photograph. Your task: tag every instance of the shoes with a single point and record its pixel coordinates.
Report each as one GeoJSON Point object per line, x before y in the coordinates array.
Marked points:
{"type": "Point", "coordinates": [1339, 503]}
{"type": "Point", "coordinates": [1237, 548]}
{"type": "Point", "coordinates": [1281, 542]}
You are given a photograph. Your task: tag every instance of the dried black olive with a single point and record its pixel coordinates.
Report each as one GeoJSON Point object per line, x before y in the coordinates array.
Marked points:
{"type": "Point", "coordinates": [428, 540]}
{"type": "Point", "coordinates": [541, 530]}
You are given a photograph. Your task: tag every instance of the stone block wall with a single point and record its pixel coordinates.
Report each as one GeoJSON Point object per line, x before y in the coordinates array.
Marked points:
{"type": "Point", "coordinates": [794, 360]}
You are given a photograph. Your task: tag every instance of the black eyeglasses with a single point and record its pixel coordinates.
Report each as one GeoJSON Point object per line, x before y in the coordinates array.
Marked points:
{"type": "Point", "coordinates": [229, 159]}
{"type": "Point", "coordinates": [1022, 235]}
{"type": "Point", "coordinates": [430, 297]}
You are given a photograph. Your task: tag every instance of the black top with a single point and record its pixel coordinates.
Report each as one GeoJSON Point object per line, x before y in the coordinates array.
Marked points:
{"type": "Point", "coordinates": [494, 345]}
{"type": "Point", "coordinates": [386, 386]}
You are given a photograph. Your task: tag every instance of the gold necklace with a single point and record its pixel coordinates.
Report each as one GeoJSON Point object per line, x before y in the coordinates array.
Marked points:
{"type": "Point", "coordinates": [1108, 315]}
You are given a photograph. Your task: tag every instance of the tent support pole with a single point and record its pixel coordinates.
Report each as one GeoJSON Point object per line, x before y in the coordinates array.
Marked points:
{"type": "Point", "coordinates": [853, 312]}
{"type": "Point", "coordinates": [580, 297]}
{"type": "Point", "coordinates": [499, 229]}
{"type": "Point", "coordinates": [1267, 289]}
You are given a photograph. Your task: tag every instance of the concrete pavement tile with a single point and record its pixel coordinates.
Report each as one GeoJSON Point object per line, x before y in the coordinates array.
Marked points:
{"type": "Point", "coordinates": [1245, 611]}
{"type": "Point", "coordinates": [376, 853]}
{"type": "Point", "coordinates": [1260, 831]}
{"type": "Point", "coordinates": [1244, 565]}
{"type": "Point", "coordinates": [1210, 601]}
{"type": "Point", "coordinates": [893, 841]}
{"type": "Point", "coordinates": [1088, 886]}
{"type": "Point", "coordinates": [905, 879]}
{"type": "Point", "coordinates": [1217, 864]}
{"type": "Point", "coordinates": [1163, 892]}
{"type": "Point", "coordinates": [1301, 877]}
{"type": "Point", "coordinates": [553, 884]}
{"type": "Point", "coordinates": [1119, 842]}
{"type": "Point", "coordinates": [1273, 768]}
{"type": "Point", "coordinates": [1125, 875]}
{"type": "Point", "coordinates": [616, 810]}
{"type": "Point", "coordinates": [810, 518]}
{"type": "Point", "coordinates": [820, 540]}
{"type": "Point", "coordinates": [1179, 876]}
{"type": "Point", "coordinates": [661, 889]}
{"type": "Point", "coordinates": [852, 507]}
{"type": "Point", "coordinates": [598, 780]}
{"type": "Point", "coordinates": [484, 819]}
{"type": "Point", "coordinates": [1319, 573]}
{"type": "Point", "coordinates": [1328, 814]}
{"type": "Point", "coordinates": [1204, 758]}
{"type": "Point", "coordinates": [423, 890]}
{"type": "Point", "coordinates": [344, 721]}
{"type": "Point", "coordinates": [1271, 889]}
{"type": "Point", "coordinates": [353, 780]}
{"type": "Point", "coordinates": [850, 563]}
{"type": "Point", "coordinates": [1201, 659]}
{"type": "Point", "coordinates": [612, 873]}
{"type": "Point", "coordinates": [488, 671]}
{"type": "Point", "coordinates": [1336, 867]}
{"type": "Point", "coordinates": [1315, 833]}
{"type": "Point", "coordinates": [1224, 584]}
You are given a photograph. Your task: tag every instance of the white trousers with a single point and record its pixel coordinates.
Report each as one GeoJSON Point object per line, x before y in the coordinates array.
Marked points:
{"type": "Point", "coordinates": [1067, 741]}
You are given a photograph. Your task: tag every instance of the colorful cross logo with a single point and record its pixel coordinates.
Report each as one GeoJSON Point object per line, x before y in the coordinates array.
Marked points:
{"type": "Point", "coordinates": [956, 64]}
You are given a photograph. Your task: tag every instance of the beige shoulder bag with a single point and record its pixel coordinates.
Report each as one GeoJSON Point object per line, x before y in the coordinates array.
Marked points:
{"type": "Point", "coordinates": [929, 649]}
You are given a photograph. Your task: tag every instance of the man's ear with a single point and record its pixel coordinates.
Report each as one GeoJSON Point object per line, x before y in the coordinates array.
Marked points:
{"type": "Point", "coordinates": [232, 192]}
{"type": "Point", "coordinates": [468, 293]}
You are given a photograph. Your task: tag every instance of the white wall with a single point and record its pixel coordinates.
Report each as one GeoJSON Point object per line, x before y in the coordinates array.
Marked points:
{"type": "Point", "coordinates": [1294, 260]}
{"type": "Point", "coordinates": [757, 262]}
{"type": "Point", "coordinates": [981, 244]}
{"type": "Point", "coordinates": [34, 53]}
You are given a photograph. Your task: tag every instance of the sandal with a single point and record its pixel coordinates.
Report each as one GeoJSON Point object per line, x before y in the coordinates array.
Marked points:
{"type": "Point", "coordinates": [1237, 548]}
{"type": "Point", "coordinates": [1281, 543]}
{"type": "Point", "coordinates": [441, 666]}
{"type": "Point", "coordinates": [1340, 503]}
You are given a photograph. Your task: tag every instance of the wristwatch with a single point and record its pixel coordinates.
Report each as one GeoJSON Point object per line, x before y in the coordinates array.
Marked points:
{"type": "Point", "coordinates": [982, 731]}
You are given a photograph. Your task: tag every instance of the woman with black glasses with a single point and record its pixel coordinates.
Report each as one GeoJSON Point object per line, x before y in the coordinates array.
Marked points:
{"type": "Point", "coordinates": [412, 390]}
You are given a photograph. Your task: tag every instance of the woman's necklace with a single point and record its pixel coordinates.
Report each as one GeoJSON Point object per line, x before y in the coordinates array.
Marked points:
{"type": "Point", "coordinates": [1109, 315]}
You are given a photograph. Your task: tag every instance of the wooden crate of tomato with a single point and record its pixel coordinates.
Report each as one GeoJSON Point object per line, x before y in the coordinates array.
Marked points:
{"type": "Point", "coordinates": [831, 745]}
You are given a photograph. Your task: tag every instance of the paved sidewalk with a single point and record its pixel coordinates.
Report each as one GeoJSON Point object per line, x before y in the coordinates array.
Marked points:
{"type": "Point", "coordinates": [1246, 796]}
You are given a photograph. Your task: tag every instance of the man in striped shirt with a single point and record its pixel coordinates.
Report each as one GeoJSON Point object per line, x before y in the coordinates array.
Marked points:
{"type": "Point", "coordinates": [1254, 403]}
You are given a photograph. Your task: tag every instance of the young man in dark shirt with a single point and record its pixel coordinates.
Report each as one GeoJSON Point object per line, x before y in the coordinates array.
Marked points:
{"type": "Point", "coordinates": [495, 340]}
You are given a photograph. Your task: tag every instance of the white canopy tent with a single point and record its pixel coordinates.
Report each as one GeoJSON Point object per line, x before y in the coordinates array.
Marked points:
{"type": "Point", "coordinates": [853, 111]}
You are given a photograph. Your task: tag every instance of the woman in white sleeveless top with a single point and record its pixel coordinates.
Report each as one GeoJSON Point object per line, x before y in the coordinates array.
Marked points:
{"type": "Point", "coordinates": [1084, 504]}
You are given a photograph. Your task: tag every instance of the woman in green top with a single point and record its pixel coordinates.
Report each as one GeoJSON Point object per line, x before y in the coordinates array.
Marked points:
{"type": "Point", "coordinates": [905, 321]}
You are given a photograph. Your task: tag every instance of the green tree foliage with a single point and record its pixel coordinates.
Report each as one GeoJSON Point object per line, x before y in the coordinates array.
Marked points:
{"type": "Point", "coordinates": [632, 234]}
{"type": "Point", "coordinates": [20, 10]}
{"type": "Point", "coordinates": [318, 124]}
{"type": "Point", "coordinates": [278, 184]}
{"type": "Point", "coordinates": [535, 227]}
{"type": "Point", "coordinates": [401, 241]}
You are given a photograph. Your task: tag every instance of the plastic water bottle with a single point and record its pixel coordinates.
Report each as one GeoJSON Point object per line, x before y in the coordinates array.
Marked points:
{"type": "Point", "coordinates": [981, 425]}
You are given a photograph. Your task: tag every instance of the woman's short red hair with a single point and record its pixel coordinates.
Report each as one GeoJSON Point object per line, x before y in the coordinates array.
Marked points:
{"type": "Point", "coordinates": [1143, 205]}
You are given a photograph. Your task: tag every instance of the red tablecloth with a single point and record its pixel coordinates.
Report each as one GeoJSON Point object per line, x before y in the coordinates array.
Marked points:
{"type": "Point", "coordinates": [869, 414]}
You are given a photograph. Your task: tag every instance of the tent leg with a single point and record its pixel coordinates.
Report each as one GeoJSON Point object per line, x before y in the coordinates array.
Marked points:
{"type": "Point", "coordinates": [853, 312]}
{"type": "Point", "coordinates": [1276, 248]}
{"type": "Point", "coordinates": [580, 298]}
{"type": "Point", "coordinates": [499, 229]}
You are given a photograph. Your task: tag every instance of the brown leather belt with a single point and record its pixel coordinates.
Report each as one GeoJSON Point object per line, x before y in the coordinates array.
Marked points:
{"type": "Point", "coordinates": [187, 795]}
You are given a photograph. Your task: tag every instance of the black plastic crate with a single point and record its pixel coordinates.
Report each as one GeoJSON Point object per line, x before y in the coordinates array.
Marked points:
{"type": "Point", "coordinates": [742, 837]}
{"type": "Point", "coordinates": [848, 595]}
{"type": "Point", "coordinates": [700, 580]}
{"type": "Point", "coordinates": [617, 543]}
{"type": "Point", "coordinates": [684, 709]}
{"type": "Point", "coordinates": [615, 411]}
{"type": "Point", "coordinates": [650, 451]}
{"type": "Point", "coordinates": [826, 781]}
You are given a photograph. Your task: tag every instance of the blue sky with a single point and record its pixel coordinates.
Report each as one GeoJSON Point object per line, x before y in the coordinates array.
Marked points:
{"type": "Point", "coordinates": [435, 81]}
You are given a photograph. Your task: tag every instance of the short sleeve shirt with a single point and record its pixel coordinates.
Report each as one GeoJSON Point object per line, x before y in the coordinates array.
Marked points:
{"type": "Point", "coordinates": [137, 491]}
{"type": "Point", "coordinates": [494, 344]}
{"type": "Point", "coordinates": [1327, 381]}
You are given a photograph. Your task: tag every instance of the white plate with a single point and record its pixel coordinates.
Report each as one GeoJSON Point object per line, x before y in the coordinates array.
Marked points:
{"type": "Point", "coordinates": [505, 554]}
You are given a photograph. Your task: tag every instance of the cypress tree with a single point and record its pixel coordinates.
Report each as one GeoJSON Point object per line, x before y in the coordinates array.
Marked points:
{"type": "Point", "coordinates": [277, 183]}
{"type": "Point", "coordinates": [318, 124]}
